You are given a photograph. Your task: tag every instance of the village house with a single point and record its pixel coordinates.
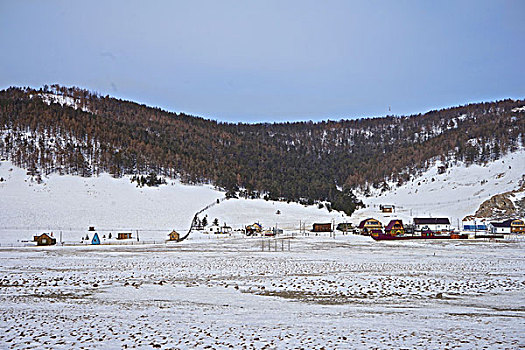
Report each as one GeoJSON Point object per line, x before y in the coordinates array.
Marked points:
{"type": "Point", "coordinates": [124, 235]}
{"type": "Point", "coordinates": [517, 226]}
{"type": "Point", "coordinates": [368, 225]}
{"type": "Point", "coordinates": [322, 227]}
{"type": "Point", "coordinates": [252, 230]}
{"type": "Point", "coordinates": [507, 226]}
{"type": "Point", "coordinates": [431, 224]}
{"type": "Point", "coordinates": [214, 229]}
{"type": "Point", "coordinates": [387, 208]}
{"type": "Point", "coordinates": [395, 228]}
{"type": "Point", "coordinates": [173, 236]}
{"type": "Point", "coordinates": [499, 227]}
{"type": "Point", "coordinates": [45, 239]}
{"type": "Point", "coordinates": [220, 229]}
{"type": "Point", "coordinates": [473, 224]}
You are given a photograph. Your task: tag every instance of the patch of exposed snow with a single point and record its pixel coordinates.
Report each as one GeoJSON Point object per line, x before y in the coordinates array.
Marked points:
{"type": "Point", "coordinates": [63, 101]}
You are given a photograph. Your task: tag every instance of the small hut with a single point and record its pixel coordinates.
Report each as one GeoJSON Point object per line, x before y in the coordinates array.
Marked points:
{"type": "Point", "coordinates": [45, 239]}
{"type": "Point", "coordinates": [322, 227]}
{"type": "Point", "coordinates": [124, 235]}
{"type": "Point", "coordinates": [95, 240]}
{"type": "Point", "coordinates": [387, 208]}
{"type": "Point", "coordinates": [173, 236]}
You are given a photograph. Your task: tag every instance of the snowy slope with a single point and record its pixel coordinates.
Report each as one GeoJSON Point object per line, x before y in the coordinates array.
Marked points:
{"type": "Point", "coordinates": [72, 204]}
{"type": "Point", "coordinates": [455, 194]}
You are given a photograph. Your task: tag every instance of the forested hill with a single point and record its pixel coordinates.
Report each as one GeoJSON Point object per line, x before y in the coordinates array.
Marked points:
{"type": "Point", "coordinates": [74, 131]}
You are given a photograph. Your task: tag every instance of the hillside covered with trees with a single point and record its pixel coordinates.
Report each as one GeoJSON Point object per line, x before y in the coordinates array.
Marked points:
{"type": "Point", "coordinates": [73, 131]}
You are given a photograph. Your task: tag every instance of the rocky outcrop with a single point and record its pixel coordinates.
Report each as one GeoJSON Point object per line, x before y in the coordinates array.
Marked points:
{"type": "Point", "coordinates": [497, 206]}
{"type": "Point", "coordinates": [504, 205]}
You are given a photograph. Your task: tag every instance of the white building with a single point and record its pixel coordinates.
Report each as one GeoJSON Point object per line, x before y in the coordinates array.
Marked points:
{"type": "Point", "coordinates": [431, 224]}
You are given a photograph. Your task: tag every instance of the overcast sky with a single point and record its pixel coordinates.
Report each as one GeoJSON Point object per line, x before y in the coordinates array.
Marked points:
{"type": "Point", "coordinates": [270, 60]}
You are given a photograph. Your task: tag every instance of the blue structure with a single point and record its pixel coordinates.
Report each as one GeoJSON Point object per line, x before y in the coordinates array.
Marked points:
{"type": "Point", "coordinates": [479, 227]}
{"type": "Point", "coordinates": [95, 239]}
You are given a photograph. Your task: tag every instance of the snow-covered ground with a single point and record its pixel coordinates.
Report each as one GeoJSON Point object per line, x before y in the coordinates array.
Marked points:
{"type": "Point", "coordinates": [221, 292]}
{"type": "Point", "coordinates": [70, 204]}
{"type": "Point", "coordinates": [454, 194]}
{"type": "Point", "coordinates": [332, 293]}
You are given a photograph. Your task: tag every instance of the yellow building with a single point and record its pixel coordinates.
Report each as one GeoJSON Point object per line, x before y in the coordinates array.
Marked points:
{"type": "Point", "coordinates": [366, 226]}
{"type": "Point", "coordinates": [173, 236]}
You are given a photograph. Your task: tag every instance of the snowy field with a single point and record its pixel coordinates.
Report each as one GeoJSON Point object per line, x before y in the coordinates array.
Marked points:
{"type": "Point", "coordinates": [331, 293]}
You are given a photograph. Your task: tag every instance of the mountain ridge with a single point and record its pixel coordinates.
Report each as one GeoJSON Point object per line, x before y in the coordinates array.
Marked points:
{"type": "Point", "coordinates": [325, 161]}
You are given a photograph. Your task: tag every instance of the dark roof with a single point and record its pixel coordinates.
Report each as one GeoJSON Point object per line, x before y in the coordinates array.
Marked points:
{"type": "Point", "coordinates": [362, 223]}
{"type": "Point", "coordinates": [500, 224]}
{"type": "Point", "coordinates": [505, 223]}
{"type": "Point", "coordinates": [431, 221]}
{"type": "Point", "coordinates": [392, 223]}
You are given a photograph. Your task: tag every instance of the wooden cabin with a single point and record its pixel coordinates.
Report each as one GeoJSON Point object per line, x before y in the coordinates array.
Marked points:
{"type": "Point", "coordinates": [124, 235]}
{"type": "Point", "coordinates": [395, 228]}
{"type": "Point", "coordinates": [173, 236]}
{"type": "Point", "coordinates": [387, 208]}
{"type": "Point", "coordinates": [367, 225]}
{"type": "Point", "coordinates": [322, 227]}
{"type": "Point", "coordinates": [45, 239]}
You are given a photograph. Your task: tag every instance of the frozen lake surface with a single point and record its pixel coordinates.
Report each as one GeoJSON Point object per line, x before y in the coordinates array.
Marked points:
{"type": "Point", "coordinates": [347, 292]}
